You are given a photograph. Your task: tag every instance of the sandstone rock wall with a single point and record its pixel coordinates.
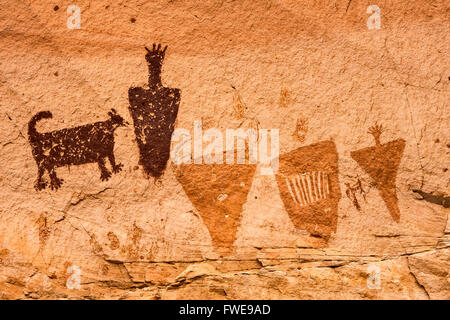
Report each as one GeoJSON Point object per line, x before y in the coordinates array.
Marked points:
{"type": "Point", "coordinates": [357, 209]}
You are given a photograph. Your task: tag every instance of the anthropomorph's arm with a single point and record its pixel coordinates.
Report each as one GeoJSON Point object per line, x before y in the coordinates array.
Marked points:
{"type": "Point", "coordinates": [155, 58]}
{"type": "Point", "coordinates": [376, 132]}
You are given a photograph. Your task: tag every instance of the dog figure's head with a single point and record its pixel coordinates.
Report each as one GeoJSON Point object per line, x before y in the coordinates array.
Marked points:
{"type": "Point", "coordinates": [116, 119]}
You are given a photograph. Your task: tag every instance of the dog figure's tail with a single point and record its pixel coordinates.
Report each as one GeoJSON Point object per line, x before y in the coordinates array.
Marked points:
{"type": "Point", "coordinates": [32, 124]}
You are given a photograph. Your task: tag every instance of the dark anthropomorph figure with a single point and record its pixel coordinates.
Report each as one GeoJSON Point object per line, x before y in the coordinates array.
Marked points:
{"type": "Point", "coordinates": [154, 111]}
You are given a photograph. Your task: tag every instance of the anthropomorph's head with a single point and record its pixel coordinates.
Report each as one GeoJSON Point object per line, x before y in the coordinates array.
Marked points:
{"type": "Point", "coordinates": [155, 58]}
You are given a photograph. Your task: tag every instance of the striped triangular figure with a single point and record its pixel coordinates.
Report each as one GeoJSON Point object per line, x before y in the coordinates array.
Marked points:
{"type": "Point", "coordinates": [308, 181]}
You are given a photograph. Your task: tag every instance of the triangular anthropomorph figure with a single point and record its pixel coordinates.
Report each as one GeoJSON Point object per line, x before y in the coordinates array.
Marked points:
{"type": "Point", "coordinates": [381, 162]}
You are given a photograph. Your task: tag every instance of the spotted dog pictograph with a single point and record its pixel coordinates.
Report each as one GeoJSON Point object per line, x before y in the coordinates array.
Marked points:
{"type": "Point", "coordinates": [381, 162]}
{"type": "Point", "coordinates": [154, 111]}
{"type": "Point", "coordinates": [308, 180]}
{"type": "Point", "coordinates": [90, 143]}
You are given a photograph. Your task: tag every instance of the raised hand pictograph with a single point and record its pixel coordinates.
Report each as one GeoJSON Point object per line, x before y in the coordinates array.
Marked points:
{"type": "Point", "coordinates": [154, 111]}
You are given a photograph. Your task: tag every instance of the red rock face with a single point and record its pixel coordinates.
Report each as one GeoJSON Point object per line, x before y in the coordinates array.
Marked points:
{"type": "Point", "coordinates": [309, 187]}
{"type": "Point", "coordinates": [311, 69]}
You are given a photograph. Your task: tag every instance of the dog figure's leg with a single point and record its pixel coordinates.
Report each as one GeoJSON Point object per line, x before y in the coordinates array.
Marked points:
{"type": "Point", "coordinates": [105, 174]}
{"type": "Point", "coordinates": [116, 168]}
{"type": "Point", "coordinates": [40, 183]}
{"type": "Point", "coordinates": [55, 182]}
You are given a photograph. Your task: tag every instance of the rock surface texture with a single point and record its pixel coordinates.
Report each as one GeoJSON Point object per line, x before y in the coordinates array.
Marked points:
{"type": "Point", "coordinates": [92, 206]}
